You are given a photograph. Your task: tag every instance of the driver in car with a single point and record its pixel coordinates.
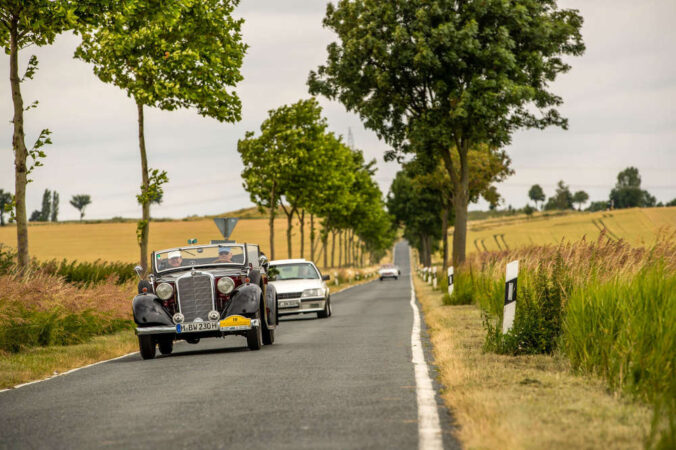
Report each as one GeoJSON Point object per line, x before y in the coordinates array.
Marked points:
{"type": "Point", "coordinates": [174, 259]}
{"type": "Point", "coordinates": [224, 255]}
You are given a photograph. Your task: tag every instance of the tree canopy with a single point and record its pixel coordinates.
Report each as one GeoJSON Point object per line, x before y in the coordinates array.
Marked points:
{"type": "Point", "coordinates": [445, 76]}
{"type": "Point", "coordinates": [627, 192]}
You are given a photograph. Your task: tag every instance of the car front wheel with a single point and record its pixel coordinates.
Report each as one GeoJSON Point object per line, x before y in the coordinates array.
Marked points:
{"type": "Point", "coordinates": [146, 346]}
{"type": "Point", "coordinates": [327, 309]}
{"type": "Point", "coordinates": [254, 337]}
{"type": "Point", "coordinates": [166, 346]}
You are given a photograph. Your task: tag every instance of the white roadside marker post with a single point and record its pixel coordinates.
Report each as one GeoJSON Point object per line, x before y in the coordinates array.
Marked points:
{"type": "Point", "coordinates": [434, 280]}
{"type": "Point", "coordinates": [510, 296]}
{"type": "Point", "coordinates": [450, 280]}
{"type": "Point", "coordinates": [429, 278]}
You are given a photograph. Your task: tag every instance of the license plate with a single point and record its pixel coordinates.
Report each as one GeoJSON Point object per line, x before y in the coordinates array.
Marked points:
{"type": "Point", "coordinates": [191, 327]}
{"type": "Point", "coordinates": [314, 305]}
{"type": "Point", "coordinates": [289, 303]}
{"type": "Point", "coordinates": [234, 323]}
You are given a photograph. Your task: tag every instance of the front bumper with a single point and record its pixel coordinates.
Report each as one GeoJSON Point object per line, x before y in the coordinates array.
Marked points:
{"type": "Point", "coordinates": [226, 326]}
{"type": "Point", "coordinates": [305, 305]}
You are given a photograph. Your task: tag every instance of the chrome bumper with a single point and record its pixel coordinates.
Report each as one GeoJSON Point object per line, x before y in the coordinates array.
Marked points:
{"type": "Point", "coordinates": [166, 329]}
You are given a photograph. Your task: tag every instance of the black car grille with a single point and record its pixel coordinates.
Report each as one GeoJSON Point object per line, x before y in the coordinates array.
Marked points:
{"type": "Point", "coordinates": [195, 297]}
{"type": "Point", "coordinates": [289, 295]}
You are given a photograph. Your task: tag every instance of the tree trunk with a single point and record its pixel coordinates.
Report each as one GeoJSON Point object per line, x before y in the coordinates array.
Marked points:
{"type": "Point", "coordinates": [460, 181]}
{"type": "Point", "coordinates": [289, 228]}
{"type": "Point", "coordinates": [312, 237]}
{"type": "Point", "coordinates": [19, 146]}
{"type": "Point", "coordinates": [325, 247]}
{"type": "Point", "coordinates": [333, 248]}
{"type": "Point", "coordinates": [273, 212]}
{"type": "Point", "coordinates": [301, 221]}
{"type": "Point", "coordinates": [444, 234]}
{"type": "Point", "coordinates": [340, 248]}
{"type": "Point", "coordinates": [144, 226]}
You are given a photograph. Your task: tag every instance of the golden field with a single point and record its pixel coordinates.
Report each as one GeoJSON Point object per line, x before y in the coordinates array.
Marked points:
{"type": "Point", "coordinates": [637, 226]}
{"type": "Point", "coordinates": [117, 241]}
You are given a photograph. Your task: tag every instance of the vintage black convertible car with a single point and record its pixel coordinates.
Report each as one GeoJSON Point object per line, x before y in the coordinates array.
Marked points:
{"type": "Point", "coordinates": [195, 292]}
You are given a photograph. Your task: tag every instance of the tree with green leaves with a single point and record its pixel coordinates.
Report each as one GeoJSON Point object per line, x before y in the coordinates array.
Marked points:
{"type": "Point", "coordinates": [80, 202]}
{"type": "Point", "coordinates": [5, 202]}
{"type": "Point", "coordinates": [46, 210]}
{"type": "Point", "coordinates": [627, 192]}
{"type": "Point", "coordinates": [562, 198]}
{"type": "Point", "coordinates": [443, 77]}
{"type": "Point", "coordinates": [537, 195]}
{"type": "Point", "coordinates": [24, 23]}
{"type": "Point", "coordinates": [168, 55]}
{"type": "Point", "coordinates": [580, 197]}
{"type": "Point", "coordinates": [55, 207]}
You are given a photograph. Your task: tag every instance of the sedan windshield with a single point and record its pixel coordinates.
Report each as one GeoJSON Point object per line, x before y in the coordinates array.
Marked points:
{"type": "Point", "coordinates": [199, 256]}
{"type": "Point", "coordinates": [297, 271]}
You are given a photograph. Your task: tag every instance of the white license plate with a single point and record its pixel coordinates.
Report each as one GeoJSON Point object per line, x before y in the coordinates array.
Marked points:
{"type": "Point", "coordinates": [191, 327]}
{"type": "Point", "coordinates": [289, 303]}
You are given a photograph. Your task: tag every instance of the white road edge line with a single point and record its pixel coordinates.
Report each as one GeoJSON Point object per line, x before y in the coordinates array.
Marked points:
{"type": "Point", "coordinates": [429, 428]}
{"type": "Point", "coordinates": [65, 373]}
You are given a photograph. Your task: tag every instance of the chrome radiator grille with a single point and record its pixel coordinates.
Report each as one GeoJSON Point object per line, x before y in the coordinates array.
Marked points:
{"type": "Point", "coordinates": [195, 297]}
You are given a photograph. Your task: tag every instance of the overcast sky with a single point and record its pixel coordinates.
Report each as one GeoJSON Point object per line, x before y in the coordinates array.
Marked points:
{"type": "Point", "coordinates": [620, 99]}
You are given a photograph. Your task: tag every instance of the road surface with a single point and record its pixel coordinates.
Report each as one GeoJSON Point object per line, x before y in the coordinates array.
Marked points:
{"type": "Point", "coordinates": [342, 382]}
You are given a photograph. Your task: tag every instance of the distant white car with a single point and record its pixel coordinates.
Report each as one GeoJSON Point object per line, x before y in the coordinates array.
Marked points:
{"type": "Point", "coordinates": [389, 271]}
{"type": "Point", "coordinates": [300, 286]}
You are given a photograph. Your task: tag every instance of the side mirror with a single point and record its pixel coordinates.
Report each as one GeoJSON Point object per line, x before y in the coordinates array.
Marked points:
{"type": "Point", "coordinates": [139, 271]}
{"type": "Point", "coordinates": [264, 263]}
{"type": "Point", "coordinates": [326, 277]}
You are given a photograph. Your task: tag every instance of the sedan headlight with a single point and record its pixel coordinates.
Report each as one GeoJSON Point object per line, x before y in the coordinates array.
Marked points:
{"type": "Point", "coordinates": [164, 291]}
{"type": "Point", "coordinates": [225, 285]}
{"type": "Point", "coordinates": [312, 293]}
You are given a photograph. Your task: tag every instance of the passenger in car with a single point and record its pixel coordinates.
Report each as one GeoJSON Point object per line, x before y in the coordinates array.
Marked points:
{"type": "Point", "coordinates": [224, 255]}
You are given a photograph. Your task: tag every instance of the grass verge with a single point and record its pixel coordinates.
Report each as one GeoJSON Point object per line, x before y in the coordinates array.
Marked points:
{"type": "Point", "coordinates": [42, 362]}
{"type": "Point", "coordinates": [527, 401]}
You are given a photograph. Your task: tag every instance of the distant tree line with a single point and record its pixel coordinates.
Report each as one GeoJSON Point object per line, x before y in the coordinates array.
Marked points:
{"type": "Point", "coordinates": [627, 193]}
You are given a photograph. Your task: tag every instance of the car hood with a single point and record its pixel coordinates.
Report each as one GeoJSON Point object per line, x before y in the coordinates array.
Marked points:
{"type": "Point", "coordinates": [172, 276]}
{"type": "Point", "coordinates": [286, 286]}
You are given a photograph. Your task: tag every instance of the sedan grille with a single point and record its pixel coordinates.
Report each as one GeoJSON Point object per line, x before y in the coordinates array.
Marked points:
{"type": "Point", "coordinates": [289, 295]}
{"type": "Point", "coordinates": [195, 297]}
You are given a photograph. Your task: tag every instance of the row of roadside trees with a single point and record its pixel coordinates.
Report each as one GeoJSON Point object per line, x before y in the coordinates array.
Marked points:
{"type": "Point", "coordinates": [296, 164]}
{"type": "Point", "coordinates": [164, 54]}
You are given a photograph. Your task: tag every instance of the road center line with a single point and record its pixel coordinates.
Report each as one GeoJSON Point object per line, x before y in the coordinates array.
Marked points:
{"type": "Point", "coordinates": [429, 429]}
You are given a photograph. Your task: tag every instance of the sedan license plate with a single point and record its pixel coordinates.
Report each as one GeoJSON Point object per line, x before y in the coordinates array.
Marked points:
{"type": "Point", "coordinates": [289, 303]}
{"type": "Point", "coordinates": [191, 327]}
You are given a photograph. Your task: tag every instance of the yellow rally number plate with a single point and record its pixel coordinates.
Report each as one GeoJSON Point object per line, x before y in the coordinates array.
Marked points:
{"type": "Point", "coordinates": [235, 321]}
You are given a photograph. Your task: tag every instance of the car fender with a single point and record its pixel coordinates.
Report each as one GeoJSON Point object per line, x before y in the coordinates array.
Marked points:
{"type": "Point", "coordinates": [271, 303]}
{"type": "Point", "coordinates": [245, 300]}
{"type": "Point", "coordinates": [149, 311]}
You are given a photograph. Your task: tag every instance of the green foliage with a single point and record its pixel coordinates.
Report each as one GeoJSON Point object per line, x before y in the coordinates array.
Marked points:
{"type": "Point", "coordinates": [536, 194]}
{"type": "Point", "coordinates": [562, 199]}
{"type": "Point", "coordinates": [55, 207]}
{"type": "Point", "coordinates": [580, 197]}
{"type": "Point", "coordinates": [598, 206]}
{"type": "Point", "coordinates": [463, 289]}
{"type": "Point", "coordinates": [36, 153]}
{"type": "Point", "coordinates": [85, 273]}
{"type": "Point", "coordinates": [627, 192]}
{"type": "Point", "coordinates": [46, 210]}
{"type": "Point", "coordinates": [153, 192]}
{"type": "Point", "coordinates": [171, 54]}
{"type": "Point", "coordinates": [5, 204]}
{"type": "Point", "coordinates": [671, 203]}
{"type": "Point", "coordinates": [80, 202]}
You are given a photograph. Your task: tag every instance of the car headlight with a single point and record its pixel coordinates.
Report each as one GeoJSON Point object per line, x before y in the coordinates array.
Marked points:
{"type": "Point", "coordinates": [312, 293]}
{"type": "Point", "coordinates": [225, 285]}
{"type": "Point", "coordinates": [164, 291]}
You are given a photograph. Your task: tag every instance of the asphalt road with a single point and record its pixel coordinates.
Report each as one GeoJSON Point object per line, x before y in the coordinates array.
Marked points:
{"type": "Point", "coordinates": [342, 382]}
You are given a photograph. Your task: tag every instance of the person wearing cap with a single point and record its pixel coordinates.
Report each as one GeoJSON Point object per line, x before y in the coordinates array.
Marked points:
{"type": "Point", "coordinates": [224, 255]}
{"type": "Point", "coordinates": [175, 259]}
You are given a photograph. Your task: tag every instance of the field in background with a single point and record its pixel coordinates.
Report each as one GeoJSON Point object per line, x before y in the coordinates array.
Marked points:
{"type": "Point", "coordinates": [638, 227]}
{"type": "Point", "coordinates": [117, 241]}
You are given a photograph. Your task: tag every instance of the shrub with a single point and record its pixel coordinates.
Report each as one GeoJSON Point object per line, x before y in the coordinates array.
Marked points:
{"type": "Point", "coordinates": [463, 289]}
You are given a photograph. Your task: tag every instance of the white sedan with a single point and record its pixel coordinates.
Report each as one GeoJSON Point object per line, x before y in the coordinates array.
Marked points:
{"type": "Point", "coordinates": [300, 286]}
{"type": "Point", "coordinates": [389, 271]}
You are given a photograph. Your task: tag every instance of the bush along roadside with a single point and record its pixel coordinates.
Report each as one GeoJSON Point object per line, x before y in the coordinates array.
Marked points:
{"type": "Point", "coordinates": [610, 309]}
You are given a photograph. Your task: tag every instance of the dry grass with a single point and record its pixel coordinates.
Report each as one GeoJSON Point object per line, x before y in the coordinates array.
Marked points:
{"type": "Point", "coordinates": [524, 401]}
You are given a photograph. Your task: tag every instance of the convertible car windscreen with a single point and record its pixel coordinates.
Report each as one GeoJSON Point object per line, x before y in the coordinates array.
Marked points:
{"type": "Point", "coordinates": [199, 256]}
{"type": "Point", "coordinates": [300, 271]}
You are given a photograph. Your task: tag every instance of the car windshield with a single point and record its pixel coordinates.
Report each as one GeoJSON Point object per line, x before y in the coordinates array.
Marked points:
{"type": "Point", "coordinates": [297, 271]}
{"type": "Point", "coordinates": [387, 266]}
{"type": "Point", "coordinates": [199, 256]}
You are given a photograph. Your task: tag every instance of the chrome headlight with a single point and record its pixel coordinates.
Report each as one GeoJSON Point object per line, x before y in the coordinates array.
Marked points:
{"type": "Point", "coordinates": [225, 285]}
{"type": "Point", "coordinates": [164, 291]}
{"type": "Point", "coordinates": [312, 293]}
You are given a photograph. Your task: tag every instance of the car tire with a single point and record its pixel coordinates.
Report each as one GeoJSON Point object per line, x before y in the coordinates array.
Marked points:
{"type": "Point", "coordinates": [327, 309]}
{"type": "Point", "coordinates": [381, 278]}
{"type": "Point", "coordinates": [166, 346]}
{"type": "Point", "coordinates": [254, 337]}
{"type": "Point", "coordinates": [396, 278]}
{"type": "Point", "coordinates": [146, 346]}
